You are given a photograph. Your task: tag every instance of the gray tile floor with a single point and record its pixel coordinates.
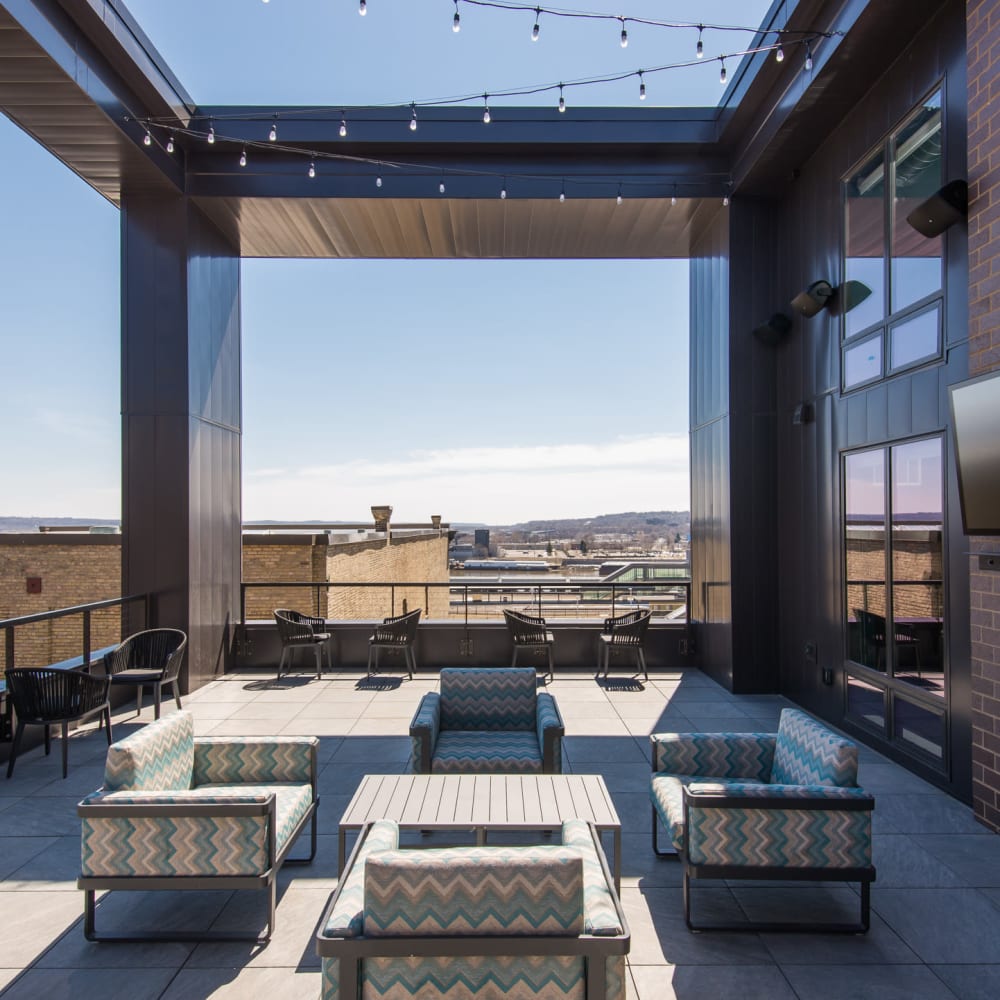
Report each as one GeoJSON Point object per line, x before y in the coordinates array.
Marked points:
{"type": "Point", "coordinates": [935, 926]}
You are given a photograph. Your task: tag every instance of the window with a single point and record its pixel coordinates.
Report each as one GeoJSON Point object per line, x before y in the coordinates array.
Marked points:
{"type": "Point", "coordinates": [894, 601]}
{"type": "Point", "coordinates": [893, 276]}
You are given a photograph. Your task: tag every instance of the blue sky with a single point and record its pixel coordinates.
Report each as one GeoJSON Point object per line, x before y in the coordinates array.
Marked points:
{"type": "Point", "coordinates": [482, 390]}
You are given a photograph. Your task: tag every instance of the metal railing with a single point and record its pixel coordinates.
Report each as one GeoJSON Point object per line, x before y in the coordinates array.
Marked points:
{"type": "Point", "coordinates": [479, 599]}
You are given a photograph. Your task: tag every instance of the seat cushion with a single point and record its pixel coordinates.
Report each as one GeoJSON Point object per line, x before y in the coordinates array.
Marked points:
{"type": "Point", "coordinates": [480, 752]}
{"type": "Point", "coordinates": [667, 794]}
{"type": "Point", "coordinates": [292, 801]}
{"type": "Point", "coordinates": [496, 698]}
{"type": "Point", "coordinates": [807, 753]}
{"type": "Point", "coordinates": [136, 675]}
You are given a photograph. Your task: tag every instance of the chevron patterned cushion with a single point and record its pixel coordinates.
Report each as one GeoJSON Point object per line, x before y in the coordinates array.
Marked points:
{"type": "Point", "coordinates": [808, 753]}
{"type": "Point", "coordinates": [667, 794]}
{"type": "Point", "coordinates": [722, 755]}
{"type": "Point", "coordinates": [480, 752]}
{"type": "Point", "coordinates": [527, 977]}
{"type": "Point", "coordinates": [548, 717]}
{"type": "Point", "coordinates": [600, 915]}
{"type": "Point", "coordinates": [346, 920]}
{"type": "Point", "coordinates": [783, 838]}
{"type": "Point", "coordinates": [188, 845]}
{"type": "Point", "coordinates": [459, 892]}
{"type": "Point", "coordinates": [494, 698]}
{"type": "Point", "coordinates": [157, 758]}
{"type": "Point", "coordinates": [230, 759]}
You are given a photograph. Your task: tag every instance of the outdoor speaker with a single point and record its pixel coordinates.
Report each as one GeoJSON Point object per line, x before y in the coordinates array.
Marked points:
{"type": "Point", "coordinates": [773, 330]}
{"type": "Point", "coordinates": [814, 299]}
{"type": "Point", "coordinates": [941, 210]}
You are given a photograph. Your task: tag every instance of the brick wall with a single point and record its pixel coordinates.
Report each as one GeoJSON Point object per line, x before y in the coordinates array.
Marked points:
{"type": "Point", "coordinates": [285, 557]}
{"type": "Point", "coordinates": [983, 33]}
{"type": "Point", "coordinates": [74, 569]}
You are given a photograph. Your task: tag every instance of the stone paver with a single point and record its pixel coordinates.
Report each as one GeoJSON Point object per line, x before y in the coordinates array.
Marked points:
{"type": "Point", "coordinates": [936, 906]}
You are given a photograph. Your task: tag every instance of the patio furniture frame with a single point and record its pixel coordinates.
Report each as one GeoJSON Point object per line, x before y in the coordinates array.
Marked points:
{"type": "Point", "coordinates": [530, 632]}
{"type": "Point", "coordinates": [626, 631]}
{"type": "Point", "coordinates": [150, 645]}
{"type": "Point", "coordinates": [395, 633]}
{"type": "Point", "coordinates": [297, 631]}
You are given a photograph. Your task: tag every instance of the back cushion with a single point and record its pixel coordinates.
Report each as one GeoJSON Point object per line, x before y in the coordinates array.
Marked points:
{"type": "Point", "coordinates": [807, 753]}
{"type": "Point", "coordinates": [474, 891]}
{"type": "Point", "coordinates": [157, 758]}
{"type": "Point", "coordinates": [488, 698]}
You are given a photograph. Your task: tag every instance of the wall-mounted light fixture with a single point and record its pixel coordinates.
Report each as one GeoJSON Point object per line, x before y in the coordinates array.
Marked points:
{"type": "Point", "coordinates": [851, 294]}
{"type": "Point", "coordinates": [773, 330]}
{"type": "Point", "coordinates": [942, 209]}
{"type": "Point", "coordinates": [813, 299]}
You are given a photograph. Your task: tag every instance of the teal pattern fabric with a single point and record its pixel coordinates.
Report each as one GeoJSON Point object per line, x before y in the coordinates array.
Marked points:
{"type": "Point", "coordinates": [548, 717]}
{"type": "Point", "coordinates": [461, 892]}
{"type": "Point", "coordinates": [722, 755]}
{"type": "Point", "coordinates": [424, 729]}
{"type": "Point", "coordinates": [599, 913]}
{"type": "Point", "coordinates": [189, 845]}
{"type": "Point", "coordinates": [247, 759]}
{"type": "Point", "coordinates": [493, 698]}
{"type": "Point", "coordinates": [667, 794]}
{"type": "Point", "coordinates": [347, 918]}
{"type": "Point", "coordinates": [782, 838]}
{"type": "Point", "coordinates": [157, 758]}
{"type": "Point", "coordinates": [505, 977]}
{"type": "Point", "coordinates": [486, 752]}
{"type": "Point", "coordinates": [807, 753]}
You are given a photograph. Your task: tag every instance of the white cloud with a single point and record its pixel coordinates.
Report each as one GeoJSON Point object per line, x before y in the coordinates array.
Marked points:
{"type": "Point", "coordinates": [494, 484]}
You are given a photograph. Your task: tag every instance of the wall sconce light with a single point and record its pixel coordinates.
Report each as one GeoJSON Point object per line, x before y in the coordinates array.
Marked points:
{"type": "Point", "coordinates": [853, 293]}
{"type": "Point", "coordinates": [773, 330]}
{"type": "Point", "coordinates": [942, 209]}
{"type": "Point", "coordinates": [814, 299]}
{"type": "Point", "coordinates": [802, 414]}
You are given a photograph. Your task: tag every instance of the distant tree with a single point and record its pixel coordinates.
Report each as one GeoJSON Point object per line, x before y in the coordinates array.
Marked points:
{"type": "Point", "coordinates": [677, 538]}
{"type": "Point", "coordinates": [583, 546]}
{"type": "Point", "coordinates": [548, 548]}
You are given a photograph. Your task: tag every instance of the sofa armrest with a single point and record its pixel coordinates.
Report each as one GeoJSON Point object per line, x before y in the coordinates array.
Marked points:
{"type": "Point", "coordinates": [778, 826]}
{"type": "Point", "coordinates": [220, 760]}
{"type": "Point", "coordinates": [551, 730]}
{"type": "Point", "coordinates": [424, 731]}
{"type": "Point", "coordinates": [718, 755]}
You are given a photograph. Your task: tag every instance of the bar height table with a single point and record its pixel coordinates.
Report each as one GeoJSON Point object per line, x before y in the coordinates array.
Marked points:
{"type": "Point", "coordinates": [482, 803]}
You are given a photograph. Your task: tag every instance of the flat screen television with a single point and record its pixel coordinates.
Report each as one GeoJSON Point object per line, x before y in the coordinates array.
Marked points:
{"type": "Point", "coordinates": [975, 427]}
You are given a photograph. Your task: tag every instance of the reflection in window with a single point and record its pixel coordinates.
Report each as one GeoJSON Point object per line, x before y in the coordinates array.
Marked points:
{"type": "Point", "coordinates": [921, 728]}
{"type": "Point", "coordinates": [916, 152]}
{"type": "Point", "coordinates": [915, 339]}
{"type": "Point", "coordinates": [863, 362]}
{"type": "Point", "coordinates": [918, 564]}
{"type": "Point", "coordinates": [866, 702]}
{"type": "Point", "coordinates": [865, 242]}
{"type": "Point", "coordinates": [864, 474]}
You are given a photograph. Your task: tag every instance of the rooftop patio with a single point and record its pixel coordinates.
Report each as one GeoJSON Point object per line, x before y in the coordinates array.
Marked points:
{"type": "Point", "coordinates": [935, 926]}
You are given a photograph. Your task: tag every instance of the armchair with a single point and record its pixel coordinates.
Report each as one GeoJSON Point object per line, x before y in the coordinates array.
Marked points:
{"type": "Point", "coordinates": [531, 633]}
{"type": "Point", "coordinates": [765, 806]}
{"type": "Point", "coordinates": [626, 631]}
{"type": "Point", "coordinates": [297, 630]}
{"type": "Point", "coordinates": [151, 657]}
{"type": "Point", "coordinates": [176, 812]}
{"type": "Point", "coordinates": [487, 720]}
{"type": "Point", "coordinates": [479, 922]}
{"type": "Point", "coordinates": [399, 633]}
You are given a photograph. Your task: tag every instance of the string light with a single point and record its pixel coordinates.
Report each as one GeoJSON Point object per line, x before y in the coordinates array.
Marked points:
{"type": "Point", "coordinates": [673, 197]}
{"type": "Point", "coordinates": [624, 35]}
{"type": "Point", "coordinates": [378, 179]}
{"type": "Point", "coordinates": [562, 100]}
{"type": "Point", "coordinates": [147, 139]}
{"type": "Point", "coordinates": [537, 27]}
{"type": "Point", "coordinates": [456, 22]}
{"type": "Point", "coordinates": [170, 143]}
{"type": "Point", "coordinates": [503, 190]}
{"type": "Point", "coordinates": [699, 50]}
{"type": "Point", "coordinates": [362, 8]}
{"type": "Point", "coordinates": [441, 186]}
{"type": "Point", "coordinates": [486, 109]}
{"type": "Point", "coordinates": [642, 87]}
{"type": "Point", "coordinates": [312, 170]}
{"type": "Point", "coordinates": [343, 128]}
{"type": "Point", "coordinates": [272, 136]}
{"type": "Point", "coordinates": [413, 117]}
{"type": "Point", "coordinates": [779, 54]}
{"type": "Point", "coordinates": [243, 158]}
{"type": "Point", "coordinates": [211, 134]}
{"type": "Point", "coordinates": [562, 193]}
{"type": "Point", "coordinates": [618, 200]}
{"type": "Point", "coordinates": [725, 197]}
{"type": "Point", "coordinates": [809, 57]}
{"type": "Point", "coordinates": [722, 72]}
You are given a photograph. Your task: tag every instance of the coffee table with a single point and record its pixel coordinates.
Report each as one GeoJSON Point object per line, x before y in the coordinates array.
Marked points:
{"type": "Point", "coordinates": [483, 803]}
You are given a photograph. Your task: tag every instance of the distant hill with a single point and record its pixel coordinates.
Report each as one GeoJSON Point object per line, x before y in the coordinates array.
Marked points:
{"type": "Point", "coordinates": [629, 522]}
{"type": "Point", "coordinates": [24, 524]}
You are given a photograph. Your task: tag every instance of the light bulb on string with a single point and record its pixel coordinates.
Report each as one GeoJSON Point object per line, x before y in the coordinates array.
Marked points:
{"type": "Point", "coordinates": [725, 197]}
{"type": "Point", "coordinates": [312, 170]}
{"type": "Point", "coordinates": [562, 100]}
{"type": "Point", "coordinates": [642, 87]}
{"type": "Point", "coordinates": [343, 128]}
{"type": "Point", "coordinates": [211, 134]}
{"type": "Point", "coordinates": [362, 8]}
{"type": "Point", "coordinates": [170, 144]}
{"type": "Point", "coordinates": [624, 42]}
{"type": "Point", "coordinates": [413, 118]}
{"type": "Point", "coordinates": [272, 136]}
{"type": "Point", "coordinates": [537, 27]}
{"type": "Point", "coordinates": [503, 190]}
{"type": "Point", "coordinates": [699, 49]}
{"type": "Point", "coordinates": [722, 72]}
{"type": "Point", "coordinates": [779, 52]}
{"type": "Point", "coordinates": [456, 21]}
{"type": "Point", "coordinates": [486, 109]}
{"type": "Point", "coordinates": [243, 158]}
{"type": "Point", "coordinates": [562, 193]}
{"type": "Point", "coordinates": [673, 197]}
{"type": "Point", "coordinates": [378, 181]}
{"type": "Point", "coordinates": [147, 139]}
{"type": "Point", "coordinates": [618, 200]}
{"type": "Point", "coordinates": [441, 186]}
{"type": "Point", "coordinates": [809, 57]}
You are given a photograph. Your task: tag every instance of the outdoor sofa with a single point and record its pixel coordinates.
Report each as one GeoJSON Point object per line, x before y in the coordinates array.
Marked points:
{"type": "Point", "coordinates": [474, 922]}
{"type": "Point", "coordinates": [179, 812]}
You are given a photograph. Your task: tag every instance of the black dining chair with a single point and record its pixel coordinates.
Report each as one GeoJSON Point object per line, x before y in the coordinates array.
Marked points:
{"type": "Point", "coordinates": [297, 630]}
{"type": "Point", "coordinates": [394, 634]}
{"type": "Point", "coordinates": [151, 657]}
{"type": "Point", "coordinates": [42, 696]}
{"type": "Point", "coordinates": [627, 631]}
